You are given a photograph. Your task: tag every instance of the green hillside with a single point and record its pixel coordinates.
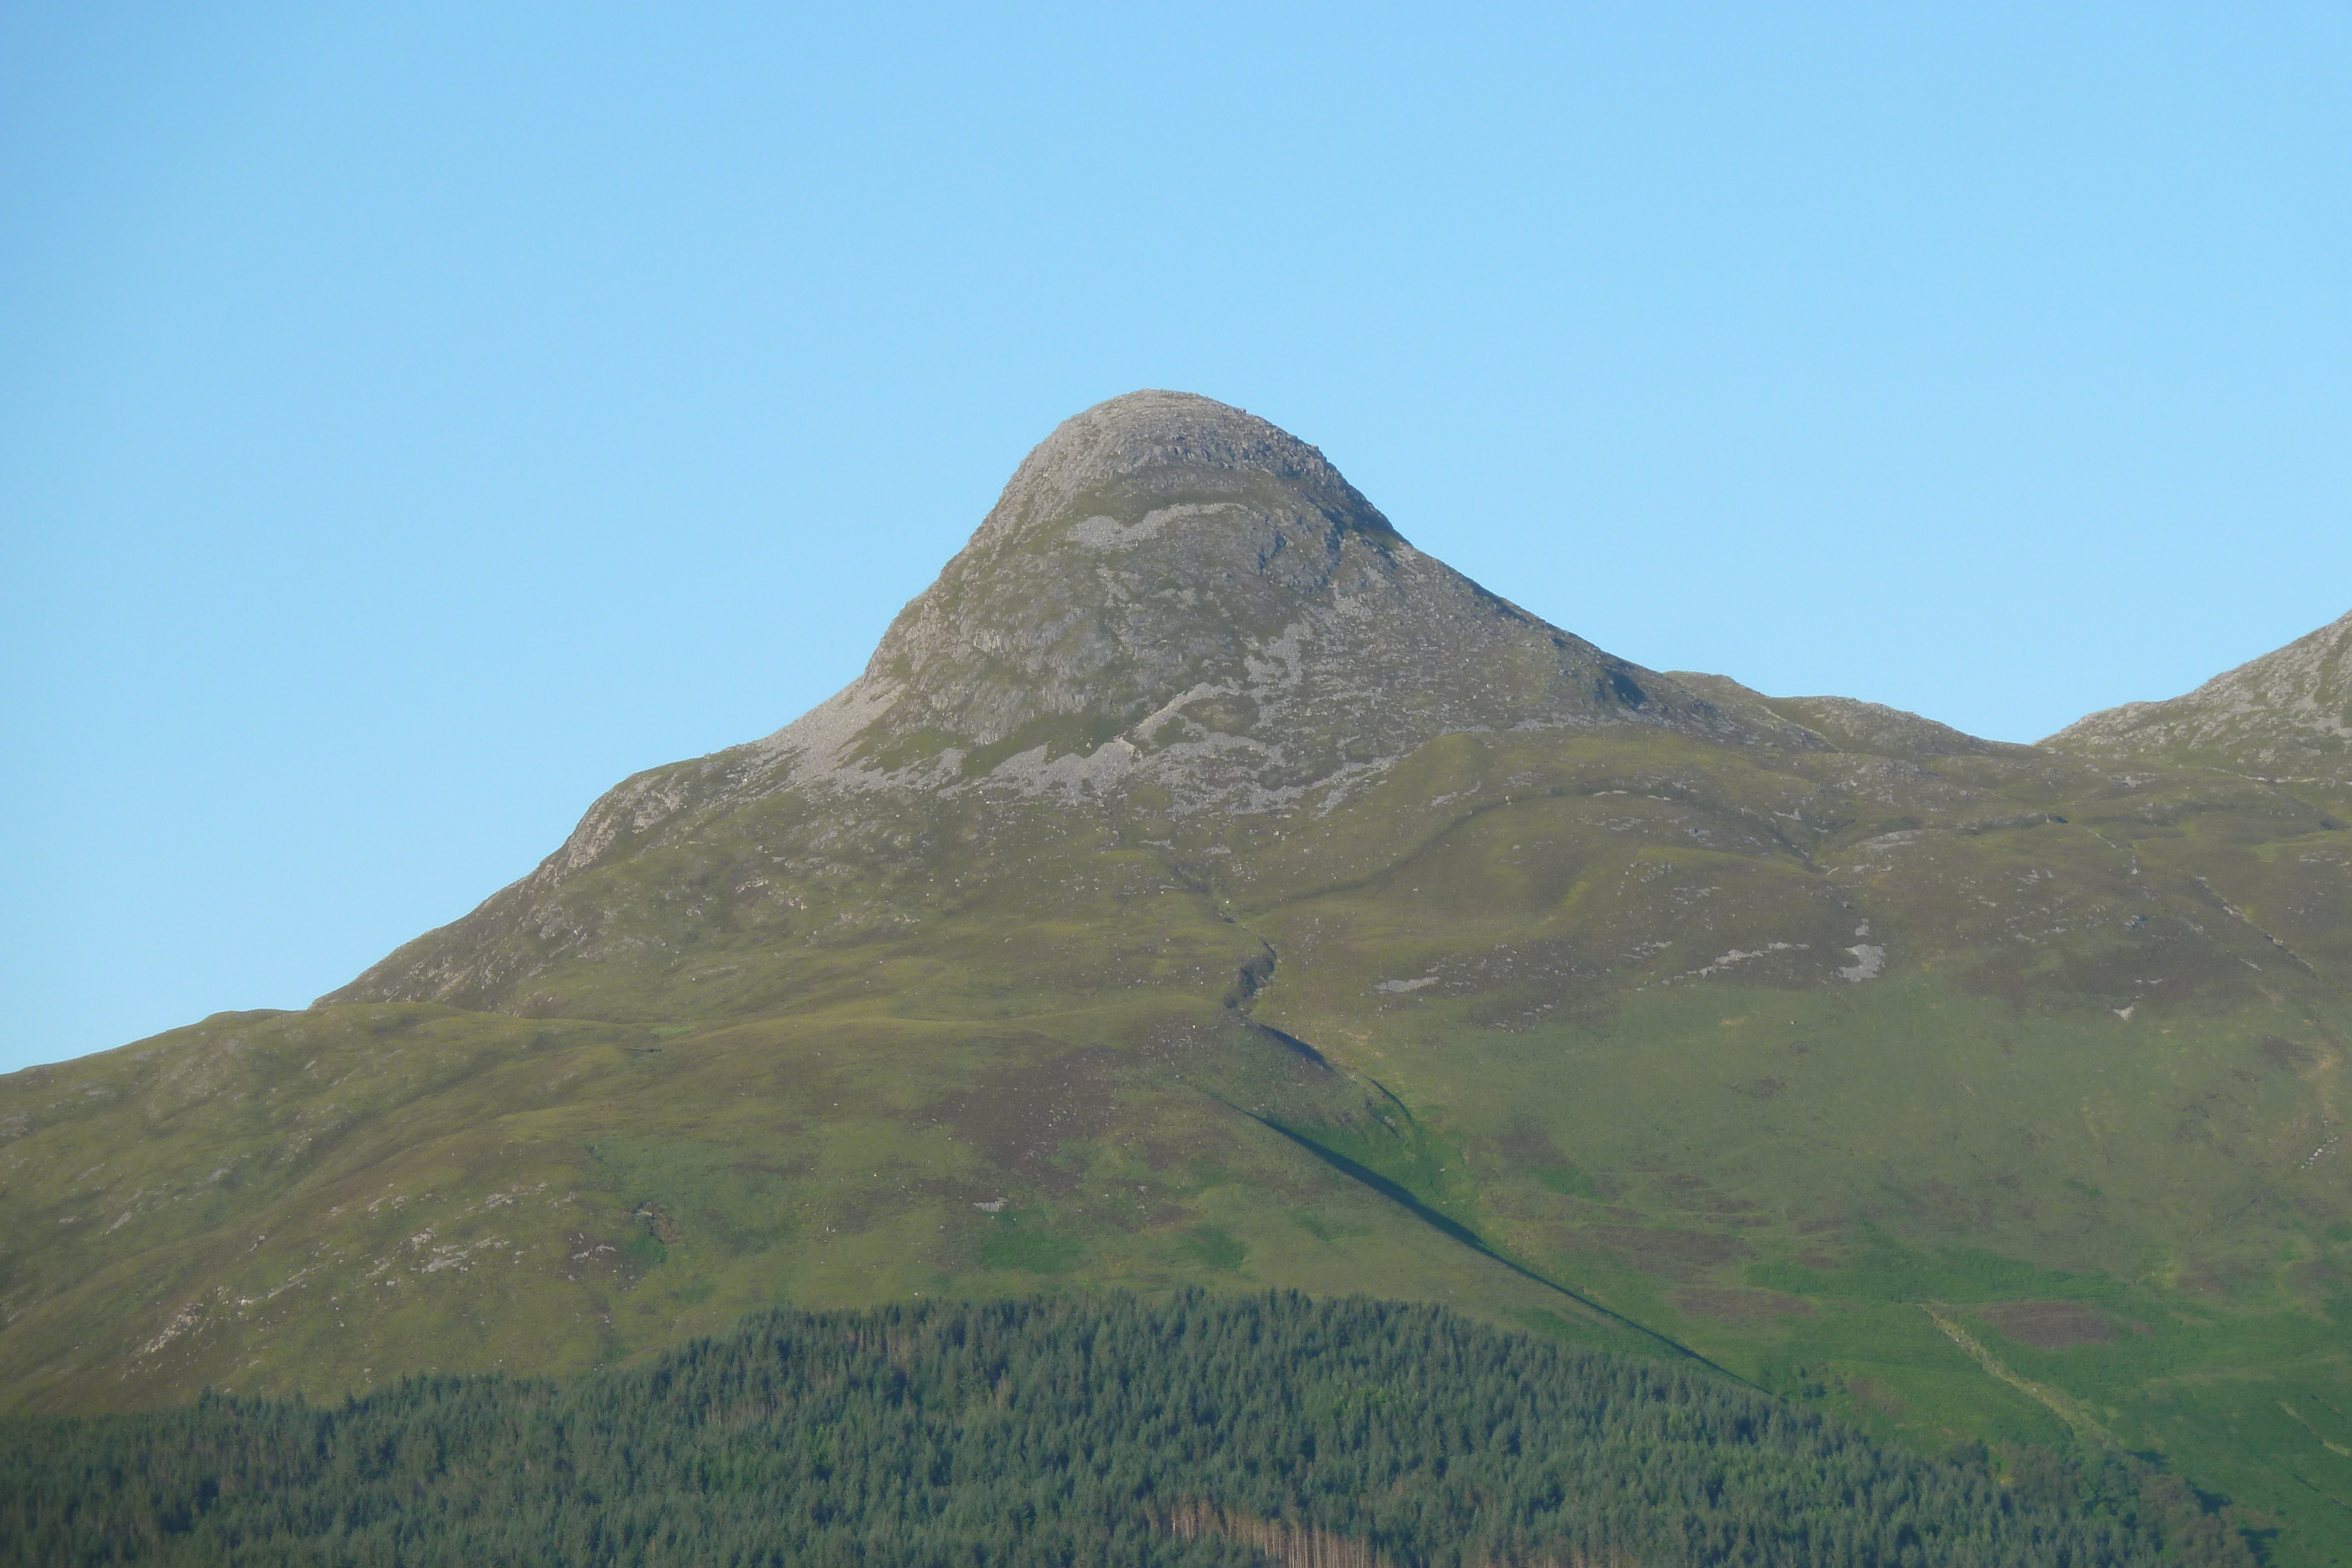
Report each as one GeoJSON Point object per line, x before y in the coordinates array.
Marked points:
{"type": "Point", "coordinates": [1204, 888]}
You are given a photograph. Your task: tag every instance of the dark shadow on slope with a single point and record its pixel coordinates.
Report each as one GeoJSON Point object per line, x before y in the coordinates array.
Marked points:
{"type": "Point", "coordinates": [1454, 1229]}
{"type": "Point", "coordinates": [1294, 1043]}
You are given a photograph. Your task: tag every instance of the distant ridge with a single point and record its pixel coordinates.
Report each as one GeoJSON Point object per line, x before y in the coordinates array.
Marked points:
{"type": "Point", "coordinates": [2287, 714]}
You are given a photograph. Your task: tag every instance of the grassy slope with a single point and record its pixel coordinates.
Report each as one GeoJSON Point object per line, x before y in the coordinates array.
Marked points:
{"type": "Point", "coordinates": [1581, 1003]}
{"type": "Point", "coordinates": [1788, 1177]}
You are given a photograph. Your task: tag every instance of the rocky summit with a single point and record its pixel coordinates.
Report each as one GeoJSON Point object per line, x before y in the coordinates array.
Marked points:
{"type": "Point", "coordinates": [1202, 887]}
{"type": "Point", "coordinates": [1176, 593]}
{"type": "Point", "coordinates": [1174, 601]}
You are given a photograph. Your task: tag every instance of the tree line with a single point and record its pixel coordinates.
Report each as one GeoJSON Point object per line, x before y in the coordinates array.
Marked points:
{"type": "Point", "coordinates": [1196, 1430]}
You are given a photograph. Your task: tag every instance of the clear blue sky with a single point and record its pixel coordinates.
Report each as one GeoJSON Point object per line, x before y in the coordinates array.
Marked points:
{"type": "Point", "coordinates": [415, 418]}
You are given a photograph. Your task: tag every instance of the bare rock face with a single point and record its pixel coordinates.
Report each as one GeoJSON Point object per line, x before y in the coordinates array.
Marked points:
{"type": "Point", "coordinates": [2286, 715]}
{"type": "Point", "coordinates": [1174, 589]}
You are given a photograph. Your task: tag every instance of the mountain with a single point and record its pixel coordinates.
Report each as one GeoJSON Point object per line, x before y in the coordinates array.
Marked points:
{"type": "Point", "coordinates": [1203, 886]}
{"type": "Point", "coordinates": [2287, 714]}
{"type": "Point", "coordinates": [1177, 614]}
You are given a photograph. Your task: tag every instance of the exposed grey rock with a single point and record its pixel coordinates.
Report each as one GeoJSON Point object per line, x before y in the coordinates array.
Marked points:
{"type": "Point", "coordinates": [1174, 589]}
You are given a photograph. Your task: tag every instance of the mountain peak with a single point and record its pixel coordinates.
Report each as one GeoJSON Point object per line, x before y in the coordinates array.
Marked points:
{"type": "Point", "coordinates": [1156, 442]}
{"type": "Point", "coordinates": [1173, 586]}
{"type": "Point", "coordinates": [1174, 601]}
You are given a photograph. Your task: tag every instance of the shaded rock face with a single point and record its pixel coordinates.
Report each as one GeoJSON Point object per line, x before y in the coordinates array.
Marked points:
{"type": "Point", "coordinates": [1174, 589]}
{"type": "Point", "coordinates": [2288, 713]}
